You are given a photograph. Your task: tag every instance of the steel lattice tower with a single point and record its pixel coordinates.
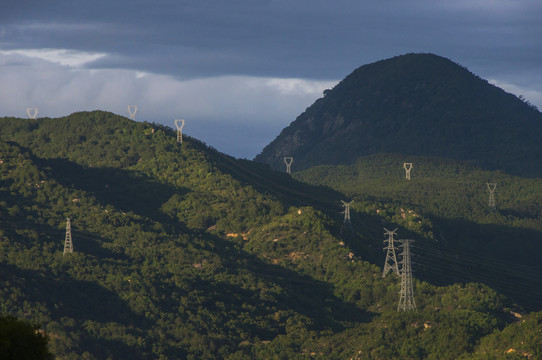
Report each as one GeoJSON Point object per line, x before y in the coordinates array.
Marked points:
{"type": "Point", "coordinates": [32, 113]}
{"type": "Point", "coordinates": [179, 124]}
{"type": "Point", "coordinates": [346, 210]}
{"type": "Point", "coordinates": [491, 188]}
{"type": "Point", "coordinates": [68, 244]}
{"type": "Point", "coordinates": [406, 295]}
{"type": "Point", "coordinates": [288, 160]}
{"type": "Point", "coordinates": [390, 255]}
{"type": "Point", "coordinates": [132, 110]}
{"type": "Point", "coordinates": [408, 169]}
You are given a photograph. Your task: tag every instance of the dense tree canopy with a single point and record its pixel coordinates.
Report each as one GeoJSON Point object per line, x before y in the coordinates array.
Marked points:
{"type": "Point", "coordinates": [183, 252]}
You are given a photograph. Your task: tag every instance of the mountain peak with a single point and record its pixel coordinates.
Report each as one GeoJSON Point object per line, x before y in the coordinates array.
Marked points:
{"type": "Point", "coordinates": [414, 104]}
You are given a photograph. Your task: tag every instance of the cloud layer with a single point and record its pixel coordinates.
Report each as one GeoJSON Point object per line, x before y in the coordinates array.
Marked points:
{"type": "Point", "coordinates": [236, 114]}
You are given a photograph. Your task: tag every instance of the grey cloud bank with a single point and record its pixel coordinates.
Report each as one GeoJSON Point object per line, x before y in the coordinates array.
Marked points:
{"type": "Point", "coordinates": [229, 65]}
{"type": "Point", "coordinates": [235, 114]}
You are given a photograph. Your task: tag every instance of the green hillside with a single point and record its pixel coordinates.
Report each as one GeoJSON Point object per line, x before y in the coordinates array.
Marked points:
{"type": "Point", "coordinates": [418, 105]}
{"type": "Point", "coordinates": [183, 252]}
{"type": "Point", "coordinates": [448, 201]}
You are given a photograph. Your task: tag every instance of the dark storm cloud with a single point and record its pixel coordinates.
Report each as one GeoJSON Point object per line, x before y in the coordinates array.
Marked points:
{"type": "Point", "coordinates": [282, 38]}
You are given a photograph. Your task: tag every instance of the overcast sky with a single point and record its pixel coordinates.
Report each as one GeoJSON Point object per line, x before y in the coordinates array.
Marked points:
{"type": "Point", "coordinates": [238, 71]}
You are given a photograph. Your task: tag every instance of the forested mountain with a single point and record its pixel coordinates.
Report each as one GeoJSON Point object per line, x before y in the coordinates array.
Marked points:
{"type": "Point", "coordinates": [419, 105]}
{"type": "Point", "coordinates": [184, 252]}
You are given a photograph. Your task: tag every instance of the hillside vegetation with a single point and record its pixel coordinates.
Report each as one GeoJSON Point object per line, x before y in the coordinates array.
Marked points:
{"type": "Point", "coordinates": [417, 105]}
{"type": "Point", "coordinates": [183, 252]}
{"type": "Point", "coordinates": [448, 202]}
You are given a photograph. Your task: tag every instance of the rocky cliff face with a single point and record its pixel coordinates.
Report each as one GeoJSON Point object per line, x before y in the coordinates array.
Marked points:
{"type": "Point", "coordinates": [414, 104]}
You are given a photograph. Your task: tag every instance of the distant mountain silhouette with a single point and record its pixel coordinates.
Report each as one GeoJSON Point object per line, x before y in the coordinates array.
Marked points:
{"type": "Point", "coordinates": [414, 104]}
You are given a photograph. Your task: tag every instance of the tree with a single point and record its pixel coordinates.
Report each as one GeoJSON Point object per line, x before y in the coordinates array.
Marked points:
{"type": "Point", "coordinates": [21, 341]}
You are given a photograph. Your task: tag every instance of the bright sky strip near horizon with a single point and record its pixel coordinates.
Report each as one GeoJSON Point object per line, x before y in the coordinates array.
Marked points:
{"type": "Point", "coordinates": [239, 71]}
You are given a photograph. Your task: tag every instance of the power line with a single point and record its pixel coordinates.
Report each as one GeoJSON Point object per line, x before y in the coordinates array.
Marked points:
{"type": "Point", "coordinates": [512, 285]}
{"type": "Point", "coordinates": [461, 257]}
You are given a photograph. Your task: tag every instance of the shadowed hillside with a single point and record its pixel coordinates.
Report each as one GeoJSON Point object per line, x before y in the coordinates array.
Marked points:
{"type": "Point", "coordinates": [415, 104]}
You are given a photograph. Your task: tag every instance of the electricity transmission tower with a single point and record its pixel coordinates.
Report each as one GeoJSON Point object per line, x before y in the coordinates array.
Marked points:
{"type": "Point", "coordinates": [179, 124]}
{"type": "Point", "coordinates": [288, 160]}
{"type": "Point", "coordinates": [346, 211]}
{"type": "Point", "coordinates": [132, 109]}
{"type": "Point", "coordinates": [406, 295]}
{"type": "Point", "coordinates": [32, 113]}
{"type": "Point", "coordinates": [391, 258]}
{"type": "Point", "coordinates": [491, 188]}
{"type": "Point", "coordinates": [68, 244]}
{"type": "Point", "coordinates": [408, 168]}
